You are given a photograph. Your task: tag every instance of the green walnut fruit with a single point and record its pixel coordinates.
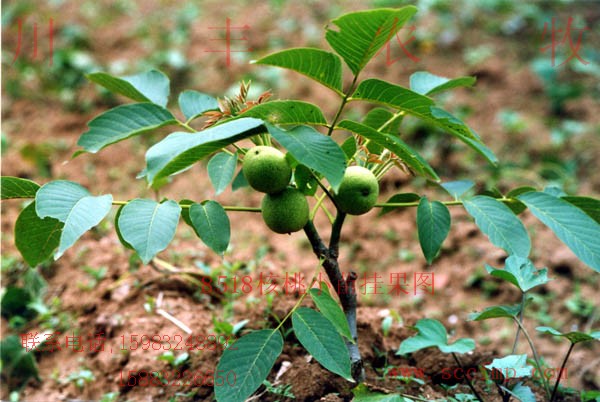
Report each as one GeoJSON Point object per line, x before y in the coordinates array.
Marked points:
{"type": "Point", "coordinates": [285, 212]}
{"type": "Point", "coordinates": [358, 191]}
{"type": "Point", "coordinates": [266, 169]}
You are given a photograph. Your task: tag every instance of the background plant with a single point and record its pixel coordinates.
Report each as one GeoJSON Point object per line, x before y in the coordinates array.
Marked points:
{"type": "Point", "coordinates": [216, 241]}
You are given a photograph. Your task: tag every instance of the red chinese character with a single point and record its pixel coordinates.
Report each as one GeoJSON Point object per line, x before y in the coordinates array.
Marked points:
{"type": "Point", "coordinates": [74, 342]}
{"type": "Point", "coordinates": [295, 284]}
{"type": "Point", "coordinates": [271, 286]}
{"type": "Point", "coordinates": [567, 34]}
{"type": "Point", "coordinates": [30, 341]}
{"type": "Point", "coordinates": [35, 39]}
{"type": "Point", "coordinates": [228, 40]}
{"type": "Point", "coordinates": [97, 343]}
{"type": "Point", "coordinates": [398, 283]}
{"type": "Point", "coordinates": [423, 282]}
{"type": "Point", "coordinates": [373, 283]}
{"type": "Point", "coordinates": [388, 58]}
{"type": "Point", "coordinates": [51, 343]}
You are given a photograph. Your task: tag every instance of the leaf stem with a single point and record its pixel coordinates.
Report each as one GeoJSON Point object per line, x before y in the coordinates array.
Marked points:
{"type": "Point", "coordinates": [342, 105]}
{"type": "Point", "coordinates": [536, 357]}
{"type": "Point", "coordinates": [562, 367]}
{"type": "Point", "coordinates": [235, 208]}
{"type": "Point", "coordinates": [520, 319]}
{"type": "Point", "coordinates": [467, 378]}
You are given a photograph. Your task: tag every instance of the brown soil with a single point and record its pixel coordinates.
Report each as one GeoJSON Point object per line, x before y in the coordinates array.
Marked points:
{"type": "Point", "coordinates": [370, 244]}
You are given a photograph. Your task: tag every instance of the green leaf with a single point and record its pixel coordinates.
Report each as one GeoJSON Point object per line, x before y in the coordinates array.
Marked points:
{"type": "Point", "coordinates": [149, 226]}
{"type": "Point", "coordinates": [515, 205]}
{"type": "Point", "coordinates": [221, 169]}
{"type": "Point", "coordinates": [15, 302]}
{"type": "Point", "coordinates": [420, 106]}
{"type": "Point", "coordinates": [496, 312]}
{"type": "Point", "coordinates": [349, 147]}
{"type": "Point", "coordinates": [36, 238]}
{"type": "Point", "coordinates": [457, 188]}
{"type": "Point", "coordinates": [15, 187]}
{"type": "Point", "coordinates": [180, 150]}
{"type": "Point", "coordinates": [394, 144]}
{"type": "Point", "coordinates": [239, 181]}
{"type": "Point", "coordinates": [73, 205]}
{"type": "Point", "coordinates": [17, 363]}
{"type": "Point", "coordinates": [123, 122]}
{"type": "Point", "coordinates": [522, 392]}
{"type": "Point", "coordinates": [573, 336]}
{"type": "Point", "coordinates": [193, 103]}
{"type": "Point", "coordinates": [426, 83]}
{"type": "Point", "coordinates": [432, 333]}
{"type": "Point", "coordinates": [318, 335]}
{"type": "Point", "coordinates": [433, 223]}
{"type": "Point", "coordinates": [570, 224]}
{"type": "Point", "coordinates": [331, 310]}
{"type": "Point", "coordinates": [590, 206]}
{"type": "Point", "coordinates": [521, 273]}
{"type": "Point", "coordinates": [321, 66]}
{"type": "Point", "coordinates": [378, 117]}
{"type": "Point", "coordinates": [361, 34]}
{"type": "Point", "coordinates": [498, 222]}
{"type": "Point", "coordinates": [305, 181]}
{"type": "Point", "coordinates": [512, 366]}
{"type": "Point", "coordinates": [401, 198]}
{"type": "Point", "coordinates": [284, 112]}
{"type": "Point", "coordinates": [211, 223]}
{"type": "Point", "coordinates": [151, 86]}
{"type": "Point", "coordinates": [314, 150]}
{"type": "Point", "coordinates": [251, 361]}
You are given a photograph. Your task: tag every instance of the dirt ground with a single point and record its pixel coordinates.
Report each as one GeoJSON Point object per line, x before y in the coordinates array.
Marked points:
{"type": "Point", "coordinates": [371, 244]}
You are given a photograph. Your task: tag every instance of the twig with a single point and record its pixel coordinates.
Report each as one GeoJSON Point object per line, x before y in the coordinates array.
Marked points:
{"type": "Point", "coordinates": [467, 378]}
{"type": "Point", "coordinates": [562, 367]}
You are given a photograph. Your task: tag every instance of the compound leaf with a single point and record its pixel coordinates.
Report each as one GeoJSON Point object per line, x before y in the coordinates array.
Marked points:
{"type": "Point", "coordinates": [496, 312]}
{"type": "Point", "coordinates": [149, 226]}
{"type": "Point", "coordinates": [573, 336]}
{"type": "Point", "coordinates": [520, 272]}
{"type": "Point", "coordinates": [211, 224]}
{"type": "Point", "coordinates": [433, 224]}
{"type": "Point", "coordinates": [36, 238]}
{"type": "Point", "coordinates": [570, 224]}
{"type": "Point", "coordinates": [321, 66]}
{"type": "Point", "coordinates": [221, 169]}
{"type": "Point", "coordinates": [500, 224]}
{"type": "Point", "coordinates": [426, 83]}
{"type": "Point", "coordinates": [151, 86]}
{"type": "Point", "coordinates": [15, 187]}
{"type": "Point", "coordinates": [361, 34]}
{"type": "Point", "coordinates": [394, 144]}
{"type": "Point", "coordinates": [284, 112]}
{"type": "Point", "coordinates": [123, 122]}
{"type": "Point", "coordinates": [397, 97]}
{"type": "Point", "coordinates": [432, 333]}
{"type": "Point", "coordinates": [251, 360]}
{"type": "Point", "coordinates": [512, 366]}
{"type": "Point", "coordinates": [318, 335]}
{"type": "Point", "coordinates": [313, 150]}
{"type": "Point", "coordinates": [193, 103]}
{"type": "Point", "coordinates": [180, 150]}
{"type": "Point", "coordinates": [73, 205]}
{"type": "Point", "coordinates": [331, 310]}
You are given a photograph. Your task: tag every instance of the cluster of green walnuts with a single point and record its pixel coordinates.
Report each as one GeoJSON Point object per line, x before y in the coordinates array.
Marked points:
{"type": "Point", "coordinates": [285, 208]}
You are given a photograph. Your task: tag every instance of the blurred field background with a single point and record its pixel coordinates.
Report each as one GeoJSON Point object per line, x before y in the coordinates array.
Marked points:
{"type": "Point", "coordinates": [541, 119]}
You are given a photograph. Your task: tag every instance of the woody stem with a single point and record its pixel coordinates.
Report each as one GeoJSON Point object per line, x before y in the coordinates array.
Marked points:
{"type": "Point", "coordinates": [345, 288]}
